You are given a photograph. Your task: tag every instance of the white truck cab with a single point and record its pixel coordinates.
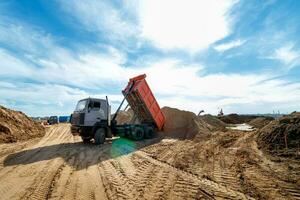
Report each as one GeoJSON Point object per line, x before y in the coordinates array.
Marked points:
{"type": "Point", "coordinates": [90, 114]}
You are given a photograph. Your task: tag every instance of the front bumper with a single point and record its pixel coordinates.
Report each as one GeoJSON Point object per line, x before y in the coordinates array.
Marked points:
{"type": "Point", "coordinates": [75, 130]}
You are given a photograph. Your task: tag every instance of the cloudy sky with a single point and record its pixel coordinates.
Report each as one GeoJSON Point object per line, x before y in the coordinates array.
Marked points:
{"type": "Point", "coordinates": [242, 56]}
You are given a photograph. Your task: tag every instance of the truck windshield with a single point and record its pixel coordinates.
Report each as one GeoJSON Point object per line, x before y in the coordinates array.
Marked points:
{"type": "Point", "coordinates": [81, 105]}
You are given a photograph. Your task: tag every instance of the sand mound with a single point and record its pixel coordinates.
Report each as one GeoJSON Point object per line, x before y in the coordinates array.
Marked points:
{"type": "Point", "coordinates": [236, 119]}
{"type": "Point", "coordinates": [260, 121]}
{"type": "Point", "coordinates": [124, 116]}
{"type": "Point", "coordinates": [183, 124]}
{"type": "Point", "coordinates": [281, 136]}
{"type": "Point", "coordinates": [179, 124]}
{"type": "Point", "coordinates": [15, 125]}
{"type": "Point", "coordinates": [214, 123]}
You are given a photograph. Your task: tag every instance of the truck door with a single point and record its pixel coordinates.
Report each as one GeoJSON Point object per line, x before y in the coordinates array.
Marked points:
{"type": "Point", "coordinates": [95, 113]}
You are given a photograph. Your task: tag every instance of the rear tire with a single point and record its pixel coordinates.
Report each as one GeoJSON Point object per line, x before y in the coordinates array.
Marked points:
{"type": "Point", "coordinates": [138, 133]}
{"type": "Point", "coordinates": [99, 136]}
{"type": "Point", "coordinates": [149, 132]}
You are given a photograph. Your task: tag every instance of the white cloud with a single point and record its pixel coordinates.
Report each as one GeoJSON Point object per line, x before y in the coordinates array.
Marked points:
{"type": "Point", "coordinates": [23, 37]}
{"type": "Point", "coordinates": [181, 87]}
{"type": "Point", "coordinates": [287, 55]}
{"type": "Point", "coordinates": [45, 99]}
{"type": "Point", "coordinates": [187, 24]}
{"type": "Point", "coordinates": [11, 66]}
{"type": "Point", "coordinates": [40, 99]}
{"type": "Point", "coordinates": [101, 16]}
{"type": "Point", "coordinates": [173, 83]}
{"type": "Point", "coordinates": [57, 64]}
{"type": "Point", "coordinates": [229, 45]}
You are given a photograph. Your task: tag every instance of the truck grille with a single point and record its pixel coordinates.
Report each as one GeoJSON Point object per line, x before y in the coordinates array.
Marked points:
{"type": "Point", "coordinates": [81, 118]}
{"type": "Point", "coordinates": [78, 119]}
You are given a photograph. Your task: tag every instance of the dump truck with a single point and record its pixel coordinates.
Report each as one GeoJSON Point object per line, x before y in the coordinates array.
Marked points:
{"type": "Point", "coordinates": [92, 117]}
{"type": "Point", "coordinates": [52, 120]}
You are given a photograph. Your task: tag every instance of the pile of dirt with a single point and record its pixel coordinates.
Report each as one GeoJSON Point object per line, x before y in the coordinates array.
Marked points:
{"type": "Point", "coordinates": [236, 119]}
{"type": "Point", "coordinates": [214, 124]}
{"type": "Point", "coordinates": [260, 121]}
{"type": "Point", "coordinates": [16, 126]}
{"type": "Point", "coordinates": [124, 116]}
{"type": "Point", "coordinates": [183, 124]}
{"type": "Point", "coordinates": [281, 136]}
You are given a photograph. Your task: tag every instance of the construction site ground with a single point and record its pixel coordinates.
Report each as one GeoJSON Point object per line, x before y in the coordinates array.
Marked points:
{"type": "Point", "coordinates": [225, 165]}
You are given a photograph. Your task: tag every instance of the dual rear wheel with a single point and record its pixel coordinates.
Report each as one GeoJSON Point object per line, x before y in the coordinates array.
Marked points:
{"type": "Point", "coordinates": [140, 133]}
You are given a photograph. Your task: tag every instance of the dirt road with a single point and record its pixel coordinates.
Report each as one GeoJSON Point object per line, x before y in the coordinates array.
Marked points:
{"type": "Point", "coordinates": [60, 166]}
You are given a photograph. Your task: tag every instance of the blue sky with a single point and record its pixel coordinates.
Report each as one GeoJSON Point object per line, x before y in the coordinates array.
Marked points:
{"type": "Point", "coordinates": [242, 56]}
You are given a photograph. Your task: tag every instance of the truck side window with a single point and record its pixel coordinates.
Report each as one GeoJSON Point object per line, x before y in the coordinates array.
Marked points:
{"type": "Point", "coordinates": [97, 105]}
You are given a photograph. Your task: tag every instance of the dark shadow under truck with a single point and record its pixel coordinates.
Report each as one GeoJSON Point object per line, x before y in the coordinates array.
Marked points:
{"type": "Point", "coordinates": [92, 117]}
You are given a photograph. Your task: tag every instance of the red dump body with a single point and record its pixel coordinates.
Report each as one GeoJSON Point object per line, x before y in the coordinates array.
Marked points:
{"type": "Point", "coordinates": [143, 102]}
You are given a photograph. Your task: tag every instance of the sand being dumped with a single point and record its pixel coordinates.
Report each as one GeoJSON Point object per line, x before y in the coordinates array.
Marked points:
{"type": "Point", "coordinates": [124, 117]}
{"type": "Point", "coordinates": [183, 124]}
{"type": "Point", "coordinates": [15, 126]}
{"type": "Point", "coordinates": [179, 124]}
{"type": "Point", "coordinates": [281, 136]}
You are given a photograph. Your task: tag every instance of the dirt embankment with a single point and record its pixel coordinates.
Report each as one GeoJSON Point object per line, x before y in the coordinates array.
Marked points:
{"type": "Point", "coordinates": [236, 119]}
{"type": "Point", "coordinates": [281, 136]}
{"type": "Point", "coordinates": [260, 121]}
{"type": "Point", "coordinates": [214, 124]}
{"type": "Point", "coordinates": [233, 160]}
{"type": "Point", "coordinates": [16, 126]}
{"type": "Point", "coordinates": [183, 124]}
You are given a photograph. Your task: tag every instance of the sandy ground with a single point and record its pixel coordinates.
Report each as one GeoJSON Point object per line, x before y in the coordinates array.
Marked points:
{"type": "Point", "coordinates": [60, 166]}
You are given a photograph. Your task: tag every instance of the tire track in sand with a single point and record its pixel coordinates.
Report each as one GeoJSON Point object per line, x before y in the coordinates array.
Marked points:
{"type": "Point", "coordinates": [209, 188]}
{"type": "Point", "coordinates": [116, 184]}
{"type": "Point", "coordinates": [32, 180]}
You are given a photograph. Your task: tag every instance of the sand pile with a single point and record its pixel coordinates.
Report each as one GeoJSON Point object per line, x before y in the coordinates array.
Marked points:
{"type": "Point", "coordinates": [214, 124]}
{"type": "Point", "coordinates": [281, 136]}
{"type": "Point", "coordinates": [236, 119]}
{"type": "Point", "coordinates": [124, 116]}
{"type": "Point", "coordinates": [260, 121]}
{"type": "Point", "coordinates": [183, 124]}
{"type": "Point", "coordinates": [15, 126]}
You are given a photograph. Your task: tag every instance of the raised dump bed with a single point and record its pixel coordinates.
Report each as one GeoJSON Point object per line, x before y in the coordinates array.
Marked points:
{"type": "Point", "coordinates": [142, 101]}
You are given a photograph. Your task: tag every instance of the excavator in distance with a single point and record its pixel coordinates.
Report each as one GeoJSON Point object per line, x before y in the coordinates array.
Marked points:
{"type": "Point", "coordinates": [91, 118]}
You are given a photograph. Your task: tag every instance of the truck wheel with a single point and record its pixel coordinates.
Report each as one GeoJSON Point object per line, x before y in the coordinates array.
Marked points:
{"type": "Point", "coordinates": [149, 132]}
{"type": "Point", "coordinates": [138, 133]}
{"type": "Point", "coordinates": [99, 136]}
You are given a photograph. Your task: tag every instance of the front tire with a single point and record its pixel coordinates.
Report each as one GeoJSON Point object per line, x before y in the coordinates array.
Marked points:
{"type": "Point", "coordinates": [99, 136]}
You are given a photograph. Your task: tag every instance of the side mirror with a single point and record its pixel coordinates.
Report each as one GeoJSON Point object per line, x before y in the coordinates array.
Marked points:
{"type": "Point", "coordinates": [89, 109]}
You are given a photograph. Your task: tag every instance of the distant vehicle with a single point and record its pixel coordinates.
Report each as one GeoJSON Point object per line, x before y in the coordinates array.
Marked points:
{"type": "Point", "coordinates": [92, 117]}
{"type": "Point", "coordinates": [53, 120]}
{"type": "Point", "coordinates": [63, 119]}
